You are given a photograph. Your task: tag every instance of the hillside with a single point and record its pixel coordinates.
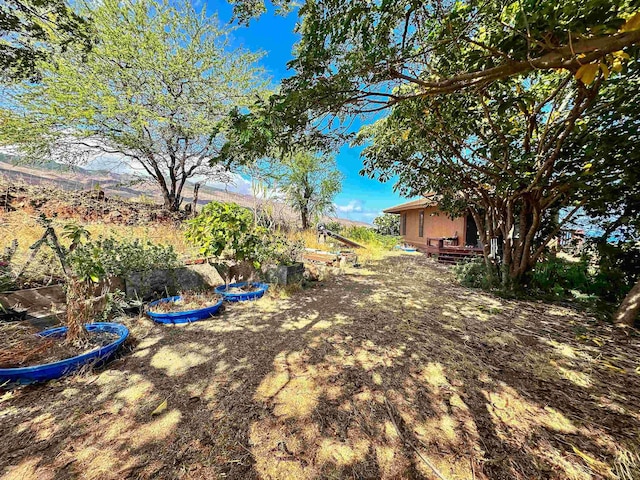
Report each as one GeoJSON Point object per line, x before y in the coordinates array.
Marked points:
{"type": "Point", "coordinates": [123, 192]}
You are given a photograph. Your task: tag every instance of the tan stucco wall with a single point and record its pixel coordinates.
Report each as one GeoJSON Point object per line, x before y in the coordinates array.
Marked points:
{"type": "Point", "coordinates": [436, 224]}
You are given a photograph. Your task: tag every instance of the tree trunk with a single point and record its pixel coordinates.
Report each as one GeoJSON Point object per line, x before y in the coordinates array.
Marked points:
{"type": "Point", "coordinates": [304, 214]}
{"type": "Point", "coordinates": [485, 239]}
{"type": "Point", "coordinates": [172, 201]}
{"type": "Point", "coordinates": [79, 312]}
{"type": "Point", "coordinates": [629, 308]}
{"type": "Point", "coordinates": [304, 204]}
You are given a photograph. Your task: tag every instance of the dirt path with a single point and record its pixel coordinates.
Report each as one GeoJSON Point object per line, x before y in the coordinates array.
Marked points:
{"type": "Point", "coordinates": [385, 372]}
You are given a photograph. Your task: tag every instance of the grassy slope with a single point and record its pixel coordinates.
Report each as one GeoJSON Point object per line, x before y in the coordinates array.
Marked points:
{"type": "Point", "coordinates": [120, 218]}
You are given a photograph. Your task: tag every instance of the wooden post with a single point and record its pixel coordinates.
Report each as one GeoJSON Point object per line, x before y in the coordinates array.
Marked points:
{"type": "Point", "coordinates": [6, 199]}
{"type": "Point", "coordinates": [194, 204]}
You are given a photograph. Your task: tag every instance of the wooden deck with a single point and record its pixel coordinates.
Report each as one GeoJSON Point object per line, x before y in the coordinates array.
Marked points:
{"type": "Point", "coordinates": [447, 250]}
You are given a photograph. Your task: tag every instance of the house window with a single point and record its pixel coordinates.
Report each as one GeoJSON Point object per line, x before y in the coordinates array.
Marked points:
{"type": "Point", "coordinates": [403, 224]}
{"type": "Point", "coordinates": [421, 224]}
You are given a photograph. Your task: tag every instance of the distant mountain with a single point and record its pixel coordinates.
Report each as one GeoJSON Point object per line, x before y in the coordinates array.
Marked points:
{"type": "Point", "coordinates": [48, 165]}
{"type": "Point", "coordinates": [129, 187]}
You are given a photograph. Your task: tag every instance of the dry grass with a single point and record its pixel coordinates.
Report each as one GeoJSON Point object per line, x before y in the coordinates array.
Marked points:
{"type": "Point", "coordinates": [372, 251]}
{"type": "Point", "coordinates": [389, 371]}
{"type": "Point", "coordinates": [20, 344]}
{"type": "Point", "coordinates": [310, 239]}
{"type": "Point", "coordinates": [23, 226]}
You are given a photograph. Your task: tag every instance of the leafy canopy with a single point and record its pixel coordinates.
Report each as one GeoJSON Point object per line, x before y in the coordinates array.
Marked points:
{"type": "Point", "coordinates": [603, 149]}
{"type": "Point", "coordinates": [360, 55]}
{"type": "Point", "coordinates": [387, 224]}
{"type": "Point", "coordinates": [155, 91]}
{"type": "Point", "coordinates": [310, 183]}
{"type": "Point", "coordinates": [228, 231]}
{"type": "Point", "coordinates": [32, 30]}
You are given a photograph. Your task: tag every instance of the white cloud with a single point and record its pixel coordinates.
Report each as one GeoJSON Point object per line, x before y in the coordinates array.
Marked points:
{"type": "Point", "coordinates": [236, 183]}
{"type": "Point", "coordinates": [114, 163]}
{"type": "Point", "coordinates": [355, 210]}
{"type": "Point", "coordinates": [352, 206]}
{"type": "Point", "coordinates": [230, 181]}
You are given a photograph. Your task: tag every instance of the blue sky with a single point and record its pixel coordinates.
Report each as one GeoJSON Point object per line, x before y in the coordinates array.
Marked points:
{"type": "Point", "coordinates": [361, 198]}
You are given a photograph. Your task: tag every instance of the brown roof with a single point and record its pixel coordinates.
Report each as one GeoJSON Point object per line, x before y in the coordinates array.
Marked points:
{"type": "Point", "coordinates": [428, 201]}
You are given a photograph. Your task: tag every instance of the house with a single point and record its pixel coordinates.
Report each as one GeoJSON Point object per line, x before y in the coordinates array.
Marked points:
{"type": "Point", "coordinates": [426, 227]}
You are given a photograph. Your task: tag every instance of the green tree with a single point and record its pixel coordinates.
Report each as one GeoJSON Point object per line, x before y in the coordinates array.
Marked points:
{"type": "Point", "coordinates": [310, 183]}
{"type": "Point", "coordinates": [604, 148]}
{"type": "Point", "coordinates": [482, 99]}
{"type": "Point", "coordinates": [387, 224]}
{"type": "Point", "coordinates": [155, 91]}
{"type": "Point", "coordinates": [494, 154]}
{"type": "Point", "coordinates": [362, 56]}
{"type": "Point", "coordinates": [32, 30]}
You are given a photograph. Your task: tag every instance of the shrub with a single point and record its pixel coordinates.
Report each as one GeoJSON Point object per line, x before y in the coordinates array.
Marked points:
{"type": "Point", "coordinates": [388, 224]}
{"type": "Point", "coordinates": [333, 226]}
{"type": "Point", "coordinates": [557, 276]}
{"type": "Point", "coordinates": [602, 277]}
{"type": "Point", "coordinates": [77, 234]}
{"type": "Point", "coordinates": [226, 231]}
{"type": "Point", "coordinates": [110, 257]}
{"type": "Point", "coordinates": [607, 272]}
{"type": "Point", "coordinates": [277, 248]}
{"type": "Point", "coordinates": [473, 273]}
{"type": "Point", "coordinates": [618, 269]}
{"type": "Point", "coordinates": [360, 234]}
{"type": "Point", "coordinates": [553, 276]}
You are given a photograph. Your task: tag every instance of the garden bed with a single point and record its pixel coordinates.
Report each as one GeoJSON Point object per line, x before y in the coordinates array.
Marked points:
{"type": "Point", "coordinates": [185, 308]}
{"type": "Point", "coordinates": [33, 357]}
{"type": "Point", "coordinates": [23, 346]}
{"type": "Point", "coordinates": [241, 291]}
{"type": "Point", "coordinates": [184, 302]}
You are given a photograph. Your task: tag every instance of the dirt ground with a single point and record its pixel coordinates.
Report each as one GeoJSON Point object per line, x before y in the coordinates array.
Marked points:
{"type": "Point", "coordinates": [388, 371]}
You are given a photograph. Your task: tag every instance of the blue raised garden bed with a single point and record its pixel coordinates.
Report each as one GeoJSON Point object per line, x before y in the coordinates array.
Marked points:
{"type": "Point", "coordinates": [49, 371]}
{"type": "Point", "coordinates": [261, 288]}
{"type": "Point", "coordinates": [187, 316]}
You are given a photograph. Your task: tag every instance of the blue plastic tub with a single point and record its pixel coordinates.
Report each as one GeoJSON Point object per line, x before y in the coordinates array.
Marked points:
{"type": "Point", "coordinates": [49, 371]}
{"type": "Point", "coordinates": [407, 249]}
{"type": "Point", "coordinates": [187, 316]}
{"type": "Point", "coordinates": [261, 288]}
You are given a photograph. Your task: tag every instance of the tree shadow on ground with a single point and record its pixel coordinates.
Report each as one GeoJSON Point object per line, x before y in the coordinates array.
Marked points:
{"type": "Point", "coordinates": [389, 371]}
